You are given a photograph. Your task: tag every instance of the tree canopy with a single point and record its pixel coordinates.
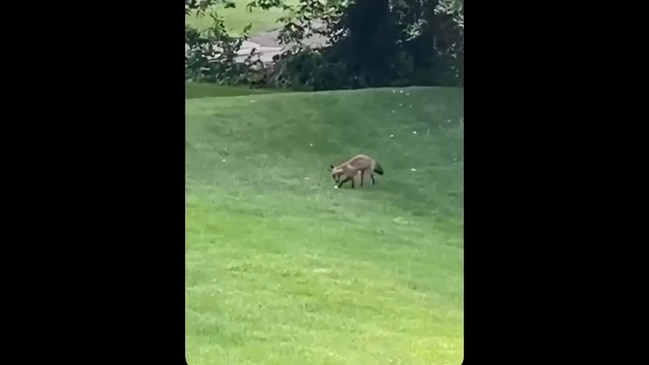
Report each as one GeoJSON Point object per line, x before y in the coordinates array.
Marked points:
{"type": "Point", "coordinates": [373, 43]}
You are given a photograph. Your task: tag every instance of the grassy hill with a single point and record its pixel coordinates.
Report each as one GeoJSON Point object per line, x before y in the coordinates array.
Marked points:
{"type": "Point", "coordinates": [204, 90]}
{"type": "Point", "coordinates": [281, 268]}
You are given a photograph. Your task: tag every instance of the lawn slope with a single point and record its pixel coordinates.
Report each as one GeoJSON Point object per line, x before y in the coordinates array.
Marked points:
{"type": "Point", "coordinates": [204, 90]}
{"type": "Point", "coordinates": [281, 268]}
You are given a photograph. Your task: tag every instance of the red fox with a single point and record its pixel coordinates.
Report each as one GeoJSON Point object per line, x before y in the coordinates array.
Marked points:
{"type": "Point", "coordinates": [359, 164]}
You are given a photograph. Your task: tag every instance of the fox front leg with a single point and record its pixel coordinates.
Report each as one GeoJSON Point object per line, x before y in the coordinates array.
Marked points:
{"type": "Point", "coordinates": [373, 182]}
{"type": "Point", "coordinates": [342, 181]}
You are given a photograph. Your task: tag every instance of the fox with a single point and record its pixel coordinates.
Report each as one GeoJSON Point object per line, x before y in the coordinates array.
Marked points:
{"type": "Point", "coordinates": [359, 164]}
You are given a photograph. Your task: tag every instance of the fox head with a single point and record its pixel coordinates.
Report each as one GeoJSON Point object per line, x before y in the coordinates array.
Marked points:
{"type": "Point", "coordinates": [335, 173]}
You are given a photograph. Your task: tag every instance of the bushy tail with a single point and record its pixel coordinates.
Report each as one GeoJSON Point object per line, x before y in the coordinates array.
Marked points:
{"type": "Point", "coordinates": [378, 169]}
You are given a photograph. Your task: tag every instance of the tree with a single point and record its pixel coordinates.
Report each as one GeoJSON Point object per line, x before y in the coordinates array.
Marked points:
{"type": "Point", "coordinates": [373, 43]}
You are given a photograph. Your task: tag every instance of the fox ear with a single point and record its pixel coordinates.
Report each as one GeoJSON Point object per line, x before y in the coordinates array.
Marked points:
{"type": "Point", "coordinates": [331, 167]}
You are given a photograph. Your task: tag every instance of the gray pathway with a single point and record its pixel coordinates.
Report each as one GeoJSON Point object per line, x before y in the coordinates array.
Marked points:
{"type": "Point", "coordinates": [268, 46]}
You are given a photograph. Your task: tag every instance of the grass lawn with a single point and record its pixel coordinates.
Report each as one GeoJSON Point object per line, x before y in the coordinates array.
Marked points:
{"type": "Point", "coordinates": [236, 19]}
{"type": "Point", "coordinates": [203, 90]}
{"type": "Point", "coordinates": [281, 268]}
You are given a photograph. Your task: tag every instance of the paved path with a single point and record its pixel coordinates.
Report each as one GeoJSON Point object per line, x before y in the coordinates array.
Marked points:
{"type": "Point", "coordinates": [268, 46]}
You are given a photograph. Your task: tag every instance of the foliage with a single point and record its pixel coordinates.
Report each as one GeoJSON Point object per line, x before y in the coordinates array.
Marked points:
{"type": "Point", "coordinates": [372, 43]}
{"type": "Point", "coordinates": [212, 55]}
{"type": "Point", "coordinates": [452, 33]}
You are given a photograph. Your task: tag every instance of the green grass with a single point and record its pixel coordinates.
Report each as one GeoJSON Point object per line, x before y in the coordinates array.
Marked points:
{"type": "Point", "coordinates": [237, 18]}
{"type": "Point", "coordinates": [281, 268]}
{"type": "Point", "coordinates": [203, 90]}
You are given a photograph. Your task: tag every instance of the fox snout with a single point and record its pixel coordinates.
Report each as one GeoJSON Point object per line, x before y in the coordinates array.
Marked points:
{"type": "Point", "coordinates": [335, 177]}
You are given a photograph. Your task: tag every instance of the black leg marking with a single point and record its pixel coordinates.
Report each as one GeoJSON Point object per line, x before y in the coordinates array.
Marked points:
{"type": "Point", "coordinates": [342, 181]}
{"type": "Point", "coordinates": [372, 176]}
